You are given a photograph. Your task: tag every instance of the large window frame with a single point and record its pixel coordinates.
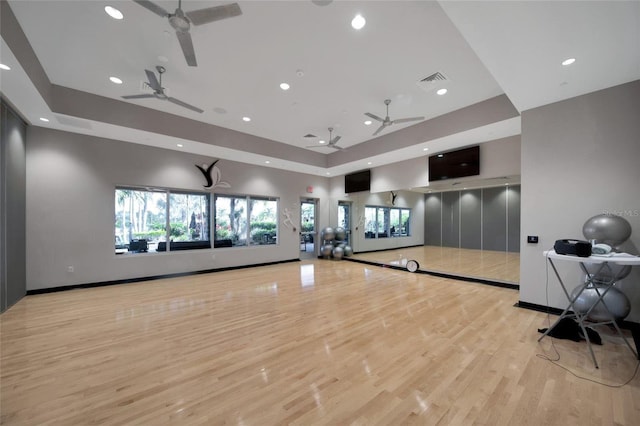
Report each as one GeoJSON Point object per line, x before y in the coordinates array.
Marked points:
{"type": "Point", "coordinates": [245, 220]}
{"type": "Point", "coordinates": [387, 222]}
{"type": "Point", "coordinates": [147, 218]}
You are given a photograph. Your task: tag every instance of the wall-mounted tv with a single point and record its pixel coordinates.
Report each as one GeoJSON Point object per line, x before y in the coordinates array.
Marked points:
{"type": "Point", "coordinates": [357, 182]}
{"type": "Point", "coordinates": [455, 164]}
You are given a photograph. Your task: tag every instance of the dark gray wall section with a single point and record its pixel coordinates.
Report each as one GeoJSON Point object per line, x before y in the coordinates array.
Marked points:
{"type": "Point", "coordinates": [494, 215]}
{"type": "Point", "coordinates": [513, 219]}
{"type": "Point", "coordinates": [484, 219]}
{"type": "Point", "coordinates": [433, 220]}
{"type": "Point", "coordinates": [451, 219]}
{"type": "Point", "coordinates": [471, 219]}
{"type": "Point", "coordinates": [12, 208]}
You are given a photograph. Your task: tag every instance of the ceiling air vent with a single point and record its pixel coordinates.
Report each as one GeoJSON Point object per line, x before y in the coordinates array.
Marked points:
{"type": "Point", "coordinates": [435, 81]}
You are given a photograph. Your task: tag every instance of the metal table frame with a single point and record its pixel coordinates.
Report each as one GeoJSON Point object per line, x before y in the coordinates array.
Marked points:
{"type": "Point", "coordinates": [570, 312]}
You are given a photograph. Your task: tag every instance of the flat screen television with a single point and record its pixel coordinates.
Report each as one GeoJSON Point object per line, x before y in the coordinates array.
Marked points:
{"type": "Point", "coordinates": [455, 164]}
{"type": "Point", "coordinates": [357, 182]}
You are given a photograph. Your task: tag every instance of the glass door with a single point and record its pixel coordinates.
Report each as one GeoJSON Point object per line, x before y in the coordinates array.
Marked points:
{"type": "Point", "coordinates": [308, 233]}
{"type": "Point", "coordinates": [344, 218]}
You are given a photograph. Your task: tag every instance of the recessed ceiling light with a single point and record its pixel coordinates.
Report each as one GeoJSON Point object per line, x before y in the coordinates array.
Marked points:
{"type": "Point", "coordinates": [368, 122]}
{"type": "Point", "coordinates": [321, 141]}
{"type": "Point", "coordinates": [284, 86]}
{"type": "Point", "coordinates": [358, 22]}
{"type": "Point", "coordinates": [46, 120]}
{"type": "Point", "coordinates": [441, 92]}
{"type": "Point", "coordinates": [267, 162]}
{"type": "Point", "coordinates": [568, 61]}
{"type": "Point", "coordinates": [115, 80]}
{"type": "Point", "coordinates": [163, 59]}
{"type": "Point", "coordinates": [425, 149]}
{"type": "Point", "coordinates": [179, 145]}
{"type": "Point", "coordinates": [247, 119]}
{"type": "Point", "coordinates": [369, 163]}
{"type": "Point", "coordinates": [113, 12]}
{"type": "Point", "coordinates": [440, 155]}
{"type": "Point", "coordinates": [328, 173]}
{"type": "Point", "coordinates": [4, 67]}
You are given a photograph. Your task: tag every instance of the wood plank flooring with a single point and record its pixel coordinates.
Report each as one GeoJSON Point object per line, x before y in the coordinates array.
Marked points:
{"type": "Point", "coordinates": [491, 265]}
{"type": "Point", "coordinates": [317, 342]}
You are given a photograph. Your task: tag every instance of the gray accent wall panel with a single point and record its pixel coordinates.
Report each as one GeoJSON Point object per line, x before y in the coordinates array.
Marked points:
{"type": "Point", "coordinates": [451, 219]}
{"type": "Point", "coordinates": [433, 220]}
{"type": "Point", "coordinates": [513, 219]}
{"type": "Point", "coordinates": [494, 215]}
{"type": "Point", "coordinates": [471, 219]}
{"type": "Point", "coordinates": [12, 208]}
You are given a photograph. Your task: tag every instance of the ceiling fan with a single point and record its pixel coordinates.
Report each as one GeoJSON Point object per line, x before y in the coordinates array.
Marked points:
{"type": "Point", "coordinates": [386, 122]}
{"type": "Point", "coordinates": [332, 142]}
{"type": "Point", "coordinates": [181, 22]}
{"type": "Point", "coordinates": [158, 90]}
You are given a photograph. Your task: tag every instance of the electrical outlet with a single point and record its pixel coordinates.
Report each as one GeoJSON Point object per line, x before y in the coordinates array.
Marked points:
{"type": "Point", "coordinates": [70, 269]}
{"type": "Point", "coordinates": [532, 239]}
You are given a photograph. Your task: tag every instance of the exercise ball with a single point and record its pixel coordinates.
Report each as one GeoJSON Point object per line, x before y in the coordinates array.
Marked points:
{"type": "Point", "coordinates": [338, 252]}
{"type": "Point", "coordinates": [341, 234]}
{"type": "Point", "coordinates": [328, 234]}
{"type": "Point", "coordinates": [604, 274]}
{"type": "Point", "coordinates": [326, 250]}
{"type": "Point", "coordinates": [348, 251]}
{"type": "Point", "coordinates": [607, 228]}
{"type": "Point", "coordinates": [617, 302]}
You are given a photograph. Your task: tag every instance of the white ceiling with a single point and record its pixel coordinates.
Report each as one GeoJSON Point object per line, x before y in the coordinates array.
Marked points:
{"type": "Point", "coordinates": [484, 49]}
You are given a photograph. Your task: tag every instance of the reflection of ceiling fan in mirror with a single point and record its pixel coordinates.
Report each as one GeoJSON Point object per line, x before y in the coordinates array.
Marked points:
{"type": "Point", "coordinates": [332, 142]}
{"type": "Point", "coordinates": [386, 122]}
{"type": "Point", "coordinates": [158, 91]}
{"type": "Point", "coordinates": [182, 21]}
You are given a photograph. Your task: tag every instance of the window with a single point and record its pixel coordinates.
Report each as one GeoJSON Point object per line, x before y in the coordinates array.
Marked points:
{"type": "Point", "coordinates": [145, 219]}
{"type": "Point", "coordinates": [383, 222]}
{"type": "Point", "coordinates": [243, 221]}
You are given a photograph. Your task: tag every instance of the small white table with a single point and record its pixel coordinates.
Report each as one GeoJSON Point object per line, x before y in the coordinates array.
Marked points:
{"type": "Point", "coordinates": [570, 311]}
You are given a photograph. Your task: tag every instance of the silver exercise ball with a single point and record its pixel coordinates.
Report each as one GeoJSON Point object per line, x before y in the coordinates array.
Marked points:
{"type": "Point", "coordinates": [328, 234]}
{"type": "Point", "coordinates": [617, 302]}
{"type": "Point", "coordinates": [603, 274]}
{"type": "Point", "coordinates": [341, 233]}
{"type": "Point", "coordinates": [326, 250]}
{"type": "Point", "coordinates": [608, 229]}
{"type": "Point", "coordinates": [338, 252]}
{"type": "Point", "coordinates": [348, 251]}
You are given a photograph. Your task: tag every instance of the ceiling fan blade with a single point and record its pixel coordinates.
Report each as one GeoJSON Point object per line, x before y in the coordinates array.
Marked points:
{"type": "Point", "coordinates": [375, 117]}
{"type": "Point", "coordinates": [158, 10]}
{"type": "Point", "coordinates": [406, 120]}
{"type": "Point", "coordinates": [143, 96]}
{"type": "Point", "coordinates": [334, 140]}
{"type": "Point", "coordinates": [379, 129]}
{"type": "Point", "coordinates": [184, 104]}
{"type": "Point", "coordinates": [152, 81]}
{"type": "Point", "coordinates": [212, 14]}
{"type": "Point", "coordinates": [187, 48]}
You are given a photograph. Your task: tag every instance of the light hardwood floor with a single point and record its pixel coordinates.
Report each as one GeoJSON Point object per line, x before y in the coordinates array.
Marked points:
{"type": "Point", "coordinates": [306, 343]}
{"type": "Point", "coordinates": [486, 264]}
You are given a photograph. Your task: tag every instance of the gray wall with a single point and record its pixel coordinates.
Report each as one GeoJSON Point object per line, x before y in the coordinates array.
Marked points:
{"type": "Point", "coordinates": [12, 207]}
{"type": "Point", "coordinates": [487, 219]}
{"type": "Point", "coordinates": [579, 159]}
{"type": "Point", "coordinates": [70, 208]}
